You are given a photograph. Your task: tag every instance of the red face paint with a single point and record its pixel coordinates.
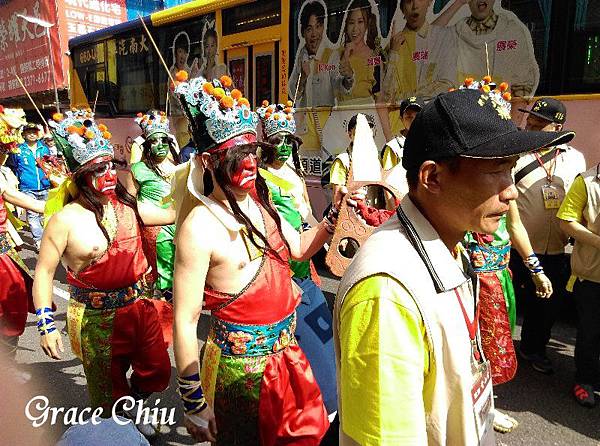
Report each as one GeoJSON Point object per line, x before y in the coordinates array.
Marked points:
{"type": "Point", "coordinates": [103, 179]}
{"type": "Point", "coordinates": [244, 176]}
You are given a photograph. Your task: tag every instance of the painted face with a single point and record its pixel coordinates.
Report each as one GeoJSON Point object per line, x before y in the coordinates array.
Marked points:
{"type": "Point", "coordinates": [313, 34]}
{"type": "Point", "coordinates": [103, 177]}
{"type": "Point", "coordinates": [159, 145]}
{"type": "Point", "coordinates": [481, 9]}
{"type": "Point", "coordinates": [244, 175]}
{"type": "Point", "coordinates": [356, 26]}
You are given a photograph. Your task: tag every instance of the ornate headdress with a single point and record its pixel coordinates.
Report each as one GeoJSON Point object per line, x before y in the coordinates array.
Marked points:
{"type": "Point", "coordinates": [153, 122]}
{"type": "Point", "coordinates": [219, 117]}
{"type": "Point", "coordinates": [80, 138]}
{"type": "Point", "coordinates": [11, 119]}
{"type": "Point", "coordinates": [499, 95]}
{"type": "Point", "coordinates": [277, 118]}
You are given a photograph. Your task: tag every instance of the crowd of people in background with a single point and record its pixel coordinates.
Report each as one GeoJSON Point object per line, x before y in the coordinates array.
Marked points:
{"type": "Point", "coordinates": [468, 194]}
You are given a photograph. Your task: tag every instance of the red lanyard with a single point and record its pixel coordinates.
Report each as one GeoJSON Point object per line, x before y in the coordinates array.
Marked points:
{"type": "Point", "coordinates": [471, 325]}
{"type": "Point", "coordinates": [549, 173]}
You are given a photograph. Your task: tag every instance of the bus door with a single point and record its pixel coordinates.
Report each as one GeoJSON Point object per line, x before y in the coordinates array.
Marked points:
{"type": "Point", "coordinates": [253, 69]}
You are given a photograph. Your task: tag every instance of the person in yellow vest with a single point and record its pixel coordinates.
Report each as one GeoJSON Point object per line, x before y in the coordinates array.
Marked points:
{"type": "Point", "coordinates": [542, 179]}
{"type": "Point", "coordinates": [578, 216]}
{"type": "Point", "coordinates": [409, 357]}
{"type": "Point", "coordinates": [392, 151]}
{"type": "Point", "coordinates": [422, 61]}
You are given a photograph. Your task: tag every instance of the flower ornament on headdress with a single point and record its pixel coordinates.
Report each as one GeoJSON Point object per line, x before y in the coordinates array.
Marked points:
{"type": "Point", "coordinates": [80, 138]}
{"type": "Point", "coordinates": [219, 116]}
{"type": "Point", "coordinates": [499, 95]}
{"type": "Point", "coordinates": [277, 118]}
{"type": "Point", "coordinates": [153, 122]}
{"type": "Point", "coordinates": [11, 119]}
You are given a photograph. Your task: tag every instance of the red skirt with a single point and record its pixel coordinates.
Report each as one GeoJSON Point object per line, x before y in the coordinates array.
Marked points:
{"type": "Point", "coordinates": [15, 297]}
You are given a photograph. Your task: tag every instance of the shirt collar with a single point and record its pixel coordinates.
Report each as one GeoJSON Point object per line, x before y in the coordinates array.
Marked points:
{"type": "Point", "coordinates": [483, 26]}
{"type": "Point", "coordinates": [442, 267]}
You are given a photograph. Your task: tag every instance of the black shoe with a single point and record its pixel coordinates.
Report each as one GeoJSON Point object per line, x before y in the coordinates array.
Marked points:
{"type": "Point", "coordinates": [584, 394]}
{"type": "Point", "coordinates": [539, 362]}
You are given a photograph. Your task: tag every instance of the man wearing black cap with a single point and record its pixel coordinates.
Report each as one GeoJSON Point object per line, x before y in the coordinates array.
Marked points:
{"type": "Point", "coordinates": [411, 370]}
{"type": "Point", "coordinates": [392, 151]}
{"type": "Point", "coordinates": [542, 179]}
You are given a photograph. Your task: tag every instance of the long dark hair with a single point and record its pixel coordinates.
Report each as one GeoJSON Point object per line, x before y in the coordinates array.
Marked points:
{"type": "Point", "coordinates": [89, 198]}
{"type": "Point", "coordinates": [223, 168]}
{"type": "Point", "coordinates": [370, 22]}
{"type": "Point", "coordinates": [269, 151]}
{"type": "Point", "coordinates": [149, 160]}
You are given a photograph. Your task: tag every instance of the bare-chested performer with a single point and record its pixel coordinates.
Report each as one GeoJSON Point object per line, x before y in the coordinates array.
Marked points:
{"type": "Point", "coordinates": [97, 237]}
{"type": "Point", "coordinates": [232, 258]}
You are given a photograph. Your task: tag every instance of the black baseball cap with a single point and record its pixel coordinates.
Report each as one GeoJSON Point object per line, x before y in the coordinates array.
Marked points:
{"type": "Point", "coordinates": [30, 126]}
{"type": "Point", "coordinates": [415, 102]}
{"type": "Point", "coordinates": [472, 124]}
{"type": "Point", "coordinates": [549, 109]}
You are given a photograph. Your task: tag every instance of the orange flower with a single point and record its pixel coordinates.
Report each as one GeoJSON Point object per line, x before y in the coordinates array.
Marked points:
{"type": "Point", "coordinates": [289, 104]}
{"type": "Point", "coordinates": [226, 81]}
{"type": "Point", "coordinates": [244, 101]}
{"type": "Point", "coordinates": [106, 135]}
{"type": "Point", "coordinates": [57, 117]}
{"type": "Point", "coordinates": [218, 93]}
{"type": "Point", "coordinates": [226, 102]}
{"type": "Point", "coordinates": [72, 129]}
{"type": "Point", "coordinates": [265, 103]}
{"type": "Point", "coordinates": [487, 79]}
{"type": "Point", "coordinates": [468, 81]}
{"type": "Point", "coordinates": [287, 109]}
{"type": "Point", "coordinates": [208, 88]}
{"type": "Point", "coordinates": [140, 114]}
{"type": "Point", "coordinates": [289, 117]}
{"type": "Point", "coordinates": [81, 130]}
{"type": "Point", "coordinates": [181, 76]}
{"type": "Point", "coordinates": [236, 94]}
{"type": "Point", "coordinates": [503, 87]}
{"type": "Point", "coordinates": [89, 134]}
{"type": "Point", "coordinates": [102, 127]}
{"type": "Point", "coordinates": [267, 115]}
{"type": "Point", "coordinates": [507, 96]}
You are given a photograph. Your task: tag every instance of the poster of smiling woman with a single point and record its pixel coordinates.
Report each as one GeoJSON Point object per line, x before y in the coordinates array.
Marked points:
{"type": "Point", "coordinates": [359, 61]}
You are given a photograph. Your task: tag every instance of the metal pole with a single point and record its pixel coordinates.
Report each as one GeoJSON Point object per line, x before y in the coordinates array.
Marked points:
{"type": "Point", "coordinates": [57, 103]}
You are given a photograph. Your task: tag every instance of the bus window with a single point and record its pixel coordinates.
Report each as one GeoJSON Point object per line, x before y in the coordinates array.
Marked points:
{"type": "Point", "coordinates": [258, 15]}
{"type": "Point", "coordinates": [133, 74]}
{"type": "Point", "coordinates": [89, 63]}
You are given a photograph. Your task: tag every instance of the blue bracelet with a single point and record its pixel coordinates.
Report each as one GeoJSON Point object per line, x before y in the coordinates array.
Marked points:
{"type": "Point", "coordinates": [192, 394]}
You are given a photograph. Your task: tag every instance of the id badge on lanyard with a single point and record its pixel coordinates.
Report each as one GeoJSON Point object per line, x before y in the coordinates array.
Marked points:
{"type": "Point", "coordinates": [550, 193]}
{"type": "Point", "coordinates": [481, 390]}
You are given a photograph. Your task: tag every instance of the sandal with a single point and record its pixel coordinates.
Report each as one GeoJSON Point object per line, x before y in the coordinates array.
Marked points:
{"type": "Point", "coordinates": [504, 423]}
{"type": "Point", "coordinates": [584, 394]}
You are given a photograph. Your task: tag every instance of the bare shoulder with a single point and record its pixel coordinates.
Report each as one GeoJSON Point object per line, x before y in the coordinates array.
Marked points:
{"type": "Point", "coordinates": [69, 215]}
{"type": "Point", "coordinates": [199, 229]}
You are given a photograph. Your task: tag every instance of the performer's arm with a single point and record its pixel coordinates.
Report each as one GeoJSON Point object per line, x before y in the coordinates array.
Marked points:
{"type": "Point", "coordinates": [520, 240]}
{"type": "Point", "coordinates": [192, 260]}
{"type": "Point", "coordinates": [153, 215]}
{"type": "Point", "coordinates": [54, 244]}
{"type": "Point", "coordinates": [444, 18]}
{"type": "Point", "coordinates": [384, 357]}
{"type": "Point", "coordinates": [22, 200]}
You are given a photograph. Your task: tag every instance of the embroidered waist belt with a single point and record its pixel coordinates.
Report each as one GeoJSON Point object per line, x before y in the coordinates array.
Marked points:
{"type": "Point", "coordinates": [489, 258]}
{"type": "Point", "coordinates": [103, 299]}
{"type": "Point", "coordinates": [253, 340]}
{"type": "Point", "coordinates": [5, 245]}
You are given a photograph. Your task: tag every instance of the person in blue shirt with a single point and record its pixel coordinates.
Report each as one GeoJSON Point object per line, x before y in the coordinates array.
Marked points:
{"type": "Point", "coordinates": [32, 180]}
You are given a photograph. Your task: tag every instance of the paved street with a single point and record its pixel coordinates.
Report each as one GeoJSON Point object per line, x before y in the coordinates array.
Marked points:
{"type": "Point", "coordinates": [542, 404]}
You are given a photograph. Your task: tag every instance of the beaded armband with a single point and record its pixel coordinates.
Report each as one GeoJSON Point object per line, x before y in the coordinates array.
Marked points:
{"type": "Point", "coordinates": [532, 263]}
